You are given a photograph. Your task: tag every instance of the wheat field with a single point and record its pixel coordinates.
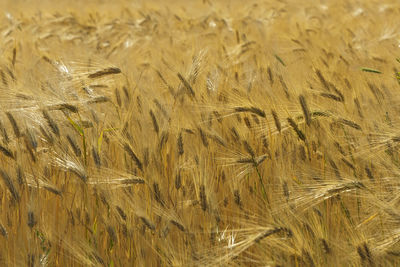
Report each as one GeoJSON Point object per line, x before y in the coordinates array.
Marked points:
{"type": "Point", "coordinates": [201, 133]}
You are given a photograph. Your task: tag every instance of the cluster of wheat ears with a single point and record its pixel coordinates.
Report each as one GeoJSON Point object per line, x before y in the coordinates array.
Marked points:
{"type": "Point", "coordinates": [261, 133]}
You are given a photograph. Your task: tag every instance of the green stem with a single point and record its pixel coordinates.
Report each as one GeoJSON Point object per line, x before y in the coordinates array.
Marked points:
{"type": "Point", "coordinates": [84, 148]}
{"type": "Point", "coordinates": [261, 181]}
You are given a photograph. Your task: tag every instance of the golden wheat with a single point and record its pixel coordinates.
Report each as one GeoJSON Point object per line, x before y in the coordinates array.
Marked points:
{"type": "Point", "coordinates": [172, 133]}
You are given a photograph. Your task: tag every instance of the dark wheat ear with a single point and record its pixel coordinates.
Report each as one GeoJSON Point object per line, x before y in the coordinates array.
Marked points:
{"type": "Point", "coordinates": [74, 145]}
{"type": "Point", "coordinates": [322, 80]}
{"type": "Point", "coordinates": [101, 73]}
{"type": "Point", "coordinates": [276, 120]}
{"type": "Point", "coordinates": [253, 110]}
{"type": "Point", "coordinates": [4, 133]}
{"type": "Point", "coordinates": [7, 152]}
{"type": "Point", "coordinates": [305, 109]}
{"type": "Point", "coordinates": [14, 124]}
{"type": "Point", "coordinates": [133, 156]}
{"type": "Point", "coordinates": [203, 198]}
{"type": "Point", "coordinates": [187, 85]}
{"type": "Point", "coordinates": [96, 157]}
{"type": "Point", "coordinates": [180, 144]}
{"type": "Point", "coordinates": [295, 127]}
{"type": "Point", "coordinates": [148, 223]}
{"type": "Point", "coordinates": [154, 120]}
{"type": "Point", "coordinates": [51, 123]}
{"type": "Point", "coordinates": [10, 185]}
